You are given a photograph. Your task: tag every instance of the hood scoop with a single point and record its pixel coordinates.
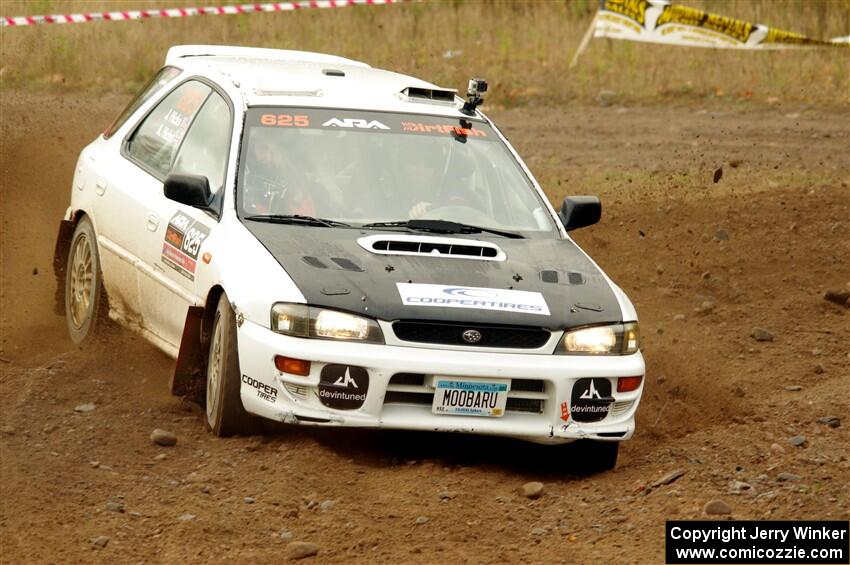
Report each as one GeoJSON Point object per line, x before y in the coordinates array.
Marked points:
{"type": "Point", "coordinates": [423, 245]}
{"type": "Point", "coordinates": [339, 262]}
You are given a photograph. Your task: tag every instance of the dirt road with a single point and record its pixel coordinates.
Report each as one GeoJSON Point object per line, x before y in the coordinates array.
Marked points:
{"type": "Point", "coordinates": [706, 263]}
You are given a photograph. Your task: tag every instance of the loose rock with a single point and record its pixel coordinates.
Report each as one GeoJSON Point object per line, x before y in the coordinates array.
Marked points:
{"type": "Point", "coordinates": [717, 507]}
{"type": "Point", "coordinates": [115, 507]}
{"type": "Point", "coordinates": [819, 370]}
{"type": "Point", "coordinates": [421, 520]}
{"type": "Point", "coordinates": [100, 541]}
{"type": "Point", "coordinates": [737, 487]}
{"type": "Point", "coordinates": [84, 408]}
{"type": "Point", "coordinates": [533, 489]}
{"type": "Point", "coordinates": [798, 441]}
{"type": "Point", "coordinates": [248, 500]}
{"type": "Point", "coordinates": [301, 549]}
{"type": "Point", "coordinates": [186, 517]}
{"type": "Point", "coordinates": [667, 479]}
{"type": "Point", "coordinates": [840, 297]}
{"type": "Point", "coordinates": [784, 477]}
{"type": "Point", "coordinates": [447, 495]}
{"type": "Point", "coordinates": [760, 334]}
{"type": "Point", "coordinates": [539, 532]}
{"type": "Point", "coordinates": [163, 438]}
{"type": "Point", "coordinates": [831, 421]}
{"type": "Point", "coordinates": [327, 505]}
{"type": "Point", "coordinates": [776, 448]}
{"type": "Point", "coordinates": [721, 235]}
{"type": "Point", "coordinates": [793, 388]}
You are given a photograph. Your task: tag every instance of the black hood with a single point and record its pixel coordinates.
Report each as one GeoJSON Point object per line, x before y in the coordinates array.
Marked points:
{"type": "Point", "coordinates": [332, 270]}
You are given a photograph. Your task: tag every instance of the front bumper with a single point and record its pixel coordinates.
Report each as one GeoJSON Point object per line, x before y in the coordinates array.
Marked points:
{"type": "Point", "coordinates": [295, 399]}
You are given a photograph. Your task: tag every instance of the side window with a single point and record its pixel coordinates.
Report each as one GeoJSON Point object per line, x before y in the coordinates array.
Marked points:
{"type": "Point", "coordinates": [156, 141]}
{"type": "Point", "coordinates": [207, 145]}
{"type": "Point", "coordinates": [163, 77]}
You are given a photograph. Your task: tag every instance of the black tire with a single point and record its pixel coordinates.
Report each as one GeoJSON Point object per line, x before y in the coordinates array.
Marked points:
{"type": "Point", "coordinates": [86, 308]}
{"type": "Point", "coordinates": [595, 456]}
{"type": "Point", "coordinates": [225, 414]}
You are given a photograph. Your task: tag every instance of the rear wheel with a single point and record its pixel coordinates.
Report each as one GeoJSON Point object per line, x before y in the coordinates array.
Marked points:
{"type": "Point", "coordinates": [225, 414]}
{"type": "Point", "coordinates": [86, 309]}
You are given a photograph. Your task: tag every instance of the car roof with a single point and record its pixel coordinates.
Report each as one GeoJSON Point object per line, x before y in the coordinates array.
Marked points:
{"type": "Point", "coordinates": [277, 77]}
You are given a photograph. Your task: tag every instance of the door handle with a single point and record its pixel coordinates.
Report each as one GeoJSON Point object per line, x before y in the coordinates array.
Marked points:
{"type": "Point", "coordinates": [153, 222]}
{"type": "Point", "coordinates": [100, 187]}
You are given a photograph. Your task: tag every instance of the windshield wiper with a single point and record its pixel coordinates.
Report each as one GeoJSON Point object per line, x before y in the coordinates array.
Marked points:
{"type": "Point", "coordinates": [296, 219]}
{"type": "Point", "coordinates": [441, 226]}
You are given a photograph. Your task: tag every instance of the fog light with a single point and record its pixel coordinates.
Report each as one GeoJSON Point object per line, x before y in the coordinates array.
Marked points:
{"type": "Point", "coordinates": [628, 384]}
{"type": "Point", "coordinates": [292, 366]}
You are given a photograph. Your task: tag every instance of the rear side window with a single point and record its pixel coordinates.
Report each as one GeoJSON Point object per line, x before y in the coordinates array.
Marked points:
{"type": "Point", "coordinates": [163, 77]}
{"type": "Point", "coordinates": [207, 145]}
{"type": "Point", "coordinates": [156, 141]}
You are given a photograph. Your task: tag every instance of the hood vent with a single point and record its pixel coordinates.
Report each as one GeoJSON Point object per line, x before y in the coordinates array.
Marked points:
{"type": "Point", "coordinates": [314, 262]}
{"type": "Point", "coordinates": [340, 262]}
{"type": "Point", "coordinates": [440, 95]}
{"type": "Point", "coordinates": [347, 264]}
{"type": "Point", "coordinates": [554, 277]}
{"type": "Point", "coordinates": [444, 247]}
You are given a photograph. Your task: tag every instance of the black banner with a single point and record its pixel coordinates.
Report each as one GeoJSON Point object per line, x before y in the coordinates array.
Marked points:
{"type": "Point", "coordinates": [757, 541]}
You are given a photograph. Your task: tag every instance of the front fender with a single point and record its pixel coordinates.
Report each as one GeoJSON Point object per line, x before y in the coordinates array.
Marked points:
{"type": "Point", "coordinates": [250, 276]}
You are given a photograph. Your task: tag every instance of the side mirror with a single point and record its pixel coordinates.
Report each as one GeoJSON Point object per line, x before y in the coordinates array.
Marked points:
{"type": "Point", "coordinates": [191, 190]}
{"type": "Point", "coordinates": [580, 211]}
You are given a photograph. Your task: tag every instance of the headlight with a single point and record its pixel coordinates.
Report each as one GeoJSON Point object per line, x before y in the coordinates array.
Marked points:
{"type": "Point", "coordinates": [301, 320]}
{"type": "Point", "coordinates": [617, 339]}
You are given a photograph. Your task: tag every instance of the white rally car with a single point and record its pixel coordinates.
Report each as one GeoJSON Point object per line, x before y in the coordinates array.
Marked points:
{"type": "Point", "coordinates": [319, 242]}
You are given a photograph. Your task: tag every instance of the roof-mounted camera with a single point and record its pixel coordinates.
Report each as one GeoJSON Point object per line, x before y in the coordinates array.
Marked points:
{"type": "Point", "coordinates": [474, 95]}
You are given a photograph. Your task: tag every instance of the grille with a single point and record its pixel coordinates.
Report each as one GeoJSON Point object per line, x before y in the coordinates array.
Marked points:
{"type": "Point", "coordinates": [525, 395]}
{"type": "Point", "coordinates": [621, 407]}
{"type": "Point", "coordinates": [515, 337]}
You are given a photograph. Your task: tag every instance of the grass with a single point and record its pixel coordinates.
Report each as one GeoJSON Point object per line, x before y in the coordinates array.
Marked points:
{"type": "Point", "coordinates": [522, 47]}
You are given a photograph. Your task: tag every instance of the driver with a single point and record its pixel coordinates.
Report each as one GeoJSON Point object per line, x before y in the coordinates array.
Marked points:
{"type": "Point", "coordinates": [451, 183]}
{"type": "Point", "coordinates": [273, 182]}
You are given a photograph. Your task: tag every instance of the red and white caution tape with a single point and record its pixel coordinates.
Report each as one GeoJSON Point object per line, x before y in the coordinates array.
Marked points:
{"type": "Point", "coordinates": [185, 12]}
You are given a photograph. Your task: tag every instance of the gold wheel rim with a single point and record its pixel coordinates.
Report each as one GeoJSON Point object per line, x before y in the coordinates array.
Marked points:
{"type": "Point", "coordinates": [82, 282]}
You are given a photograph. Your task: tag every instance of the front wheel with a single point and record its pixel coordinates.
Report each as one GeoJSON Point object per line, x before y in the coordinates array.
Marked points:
{"type": "Point", "coordinates": [225, 414]}
{"type": "Point", "coordinates": [85, 300]}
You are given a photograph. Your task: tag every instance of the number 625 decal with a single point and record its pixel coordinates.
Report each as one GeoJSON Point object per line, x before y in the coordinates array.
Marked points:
{"type": "Point", "coordinates": [285, 120]}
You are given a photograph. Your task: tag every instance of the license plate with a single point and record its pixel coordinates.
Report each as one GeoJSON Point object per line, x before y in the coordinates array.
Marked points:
{"type": "Point", "coordinates": [469, 397]}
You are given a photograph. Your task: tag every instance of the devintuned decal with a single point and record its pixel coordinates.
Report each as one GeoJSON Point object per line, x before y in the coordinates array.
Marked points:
{"type": "Point", "coordinates": [436, 295]}
{"type": "Point", "coordinates": [183, 239]}
{"type": "Point", "coordinates": [343, 387]}
{"type": "Point", "coordinates": [590, 400]}
{"type": "Point", "coordinates": [264, 391]}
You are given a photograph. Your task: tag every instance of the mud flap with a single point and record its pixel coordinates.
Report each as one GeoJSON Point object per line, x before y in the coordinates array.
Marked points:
{"type": "Point", "coordinates": [188, 377]}
{"type": "Point", "coordinates": [60, 263]}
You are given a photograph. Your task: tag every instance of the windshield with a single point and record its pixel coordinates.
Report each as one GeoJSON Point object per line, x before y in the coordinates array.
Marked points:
{"type": "Point", "coordinates": [364, 168]}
